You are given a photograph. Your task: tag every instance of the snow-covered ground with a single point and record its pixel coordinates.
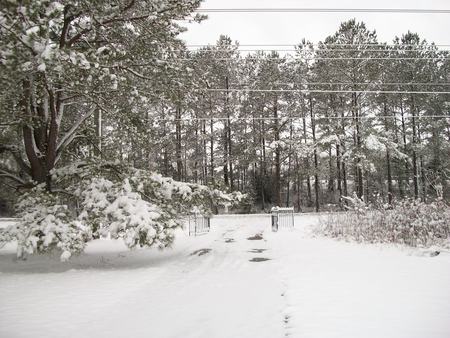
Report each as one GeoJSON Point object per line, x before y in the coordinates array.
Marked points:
{"type": "Point", "coordinates": [219, 285]}
{"type": "Point", "coordinates": [5, 222]}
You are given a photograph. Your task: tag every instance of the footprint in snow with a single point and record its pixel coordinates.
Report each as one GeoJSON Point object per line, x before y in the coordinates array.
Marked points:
{"type": "Point", "coordinates": [257, 250]}
{"type": "Point", "coordinates": [259, 259]}
{"type": "Point", "coordinates": [200, 252]}
{"type": "Point", "coordinates": [256, 237]}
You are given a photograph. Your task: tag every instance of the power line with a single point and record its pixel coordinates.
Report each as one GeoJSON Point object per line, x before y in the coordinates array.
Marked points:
{"type": "Point", "coordinates": [318, 50]}
{"type": "Point", "coordinates": [284, 59]}
{"type": "Point", "coordinates": [330, 44]}
{"type": "Point", "coordinates": [225, 118]}
{"type": "Point", "coordinates": [306, 91]}
{"type": "Point", "coordinates": [316, 58]}
{"type": "Point", "coordinates": [359, 84]}
{"type": "Point", "coordinates": [325, 10]}
{"type": "Point", "coordinates": [174, 60]}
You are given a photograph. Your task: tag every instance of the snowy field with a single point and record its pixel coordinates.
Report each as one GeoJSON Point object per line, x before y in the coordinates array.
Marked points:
{"type": "Point", "coordinates": [220, 285]}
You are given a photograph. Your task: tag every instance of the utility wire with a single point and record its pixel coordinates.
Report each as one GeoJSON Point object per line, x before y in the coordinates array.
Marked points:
{"type": "Point", "coordinates": [284, 59]}
{"type": "Point", "coordinates": [306, 91]}
{"type": "Point", "coordinates": [293, 118]}
{"type": "Point", "coordinates": [313, 58]}
{"type": "Point", "coordinates": [358, 84]}
{"type": "Point", "coordinates": [318, 50]}
{"type": "Point", "coordinates": [330, 44]}
{"type": "Point", "coordinates": [325, 10]}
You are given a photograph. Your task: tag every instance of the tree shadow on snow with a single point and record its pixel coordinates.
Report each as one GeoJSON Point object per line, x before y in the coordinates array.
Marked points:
{"type": "Point", "coordinates": [98, 260]}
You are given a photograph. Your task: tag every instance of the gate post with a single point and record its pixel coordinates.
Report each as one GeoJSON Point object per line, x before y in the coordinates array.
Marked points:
{"type": "Point", "coordinates": [274, 213]}
{"type": "Point", "coordinates": [195, 222]}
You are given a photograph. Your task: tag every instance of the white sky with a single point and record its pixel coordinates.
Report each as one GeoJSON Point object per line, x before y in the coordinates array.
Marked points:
{"type": "Point", "coordinates": [291, 28]}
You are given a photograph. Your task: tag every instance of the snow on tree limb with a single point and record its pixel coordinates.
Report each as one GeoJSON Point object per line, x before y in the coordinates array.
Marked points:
{"type": "Point", "coordinates": [68, 137]}
{"type": "Point", "coordinates": [141, 207]}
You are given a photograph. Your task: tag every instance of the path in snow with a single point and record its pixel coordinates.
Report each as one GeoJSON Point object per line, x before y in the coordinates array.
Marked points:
{"type": "Point", "coordinates": [224, 284]}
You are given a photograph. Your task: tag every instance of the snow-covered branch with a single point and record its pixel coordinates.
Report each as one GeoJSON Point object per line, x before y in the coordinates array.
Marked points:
{"type": "Point", "coordinates": [68, 137]}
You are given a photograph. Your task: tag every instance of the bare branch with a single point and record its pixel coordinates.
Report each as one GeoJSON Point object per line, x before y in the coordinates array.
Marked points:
{"type": "Point", "coordinates": [14, 123]}
{"type": "Point", "coordinates": [135, 73]}
{"type": "Point", "coordinates": [69, 136]}
{"type": "Point", "coordinates": [9, 174]}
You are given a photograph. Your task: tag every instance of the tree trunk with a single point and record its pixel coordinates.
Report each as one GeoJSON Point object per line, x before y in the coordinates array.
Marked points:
{"type": "Point", "coordinates": [359, 171]}
{"type": "Point", "coordinates": [225, 155]}
{"type": "Point", "coordinates": [331, 171]}
{"type": "Point", "coordinates": [228, 136]}
{"type": "Point", "coordinates": [205, 154]}
{"type": "Point", "coordinates": [388, 157]}
{"type": "Point", "coordinates": [288, 176]}
{"type": "Point", "coordinates": [405, 148]}
{"type": "Point", "coordinates": [422, 169]}
{"type": "Point", "coordinates": [263, 173]}
{"type": "Point", "coordinates": [338, 170]}
{"type": "Point", "coordinates": [307, 164]}
{"type": "Point", "coordinates": [316, 161]}
{"type": "Point", "coordinates": [399, 173]}
{"type": "Point", "coordinates": [277, 181]}
{"type": "Point", "coordinates": [197, 153]}
{"type": "Point", "coordinates": [98, 133]}
{"type": "Point", "coordinates": [178, 150]}
{"type": "Point", "coordinates": [344, 170]}
{"type": "Point", "coordinates": [40, 139]}
{"type": "Point", "coordinates": [414, 152]}
{"type": "Point", "coordinates": [299, 183]}
{"type": "Point", "coordinates": [211, 145]}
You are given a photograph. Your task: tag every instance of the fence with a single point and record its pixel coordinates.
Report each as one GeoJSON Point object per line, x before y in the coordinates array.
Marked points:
{"type": "Point", "coordinates": [282, 218]}
{"type": "Point", "coordinates": [199, 224]}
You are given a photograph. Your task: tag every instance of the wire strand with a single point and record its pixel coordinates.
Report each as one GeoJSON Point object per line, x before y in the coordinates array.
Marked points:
{"type": "Point", "coordinates": [318, 50]}
{"type": "Point", "coordinates": [325, 10]}
{"type": "Point", "coordinates": [226, 118]}
{"type": "Point", "coordinates": [306, 91]}
{"type": "Point", "coordinates": [330, 44]}
{"type": "Point", "coordinates": [315, 58]}
{"type": "Point", "coordinates": [359, 84]}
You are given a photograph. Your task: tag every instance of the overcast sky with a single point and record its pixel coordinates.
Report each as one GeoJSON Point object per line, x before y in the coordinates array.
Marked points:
{"type": "Point", "coordinates": [290, 28]}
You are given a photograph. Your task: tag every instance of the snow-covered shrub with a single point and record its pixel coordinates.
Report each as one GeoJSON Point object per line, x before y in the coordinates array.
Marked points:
{"type": "Point", "coordinates": [89, 201]}
{"type": "Point", "coordinates": [409, 222]}
{"type": "Point", "coordinates": [356, 204]}
{"type": "Point", "coordinates": [45, 224]}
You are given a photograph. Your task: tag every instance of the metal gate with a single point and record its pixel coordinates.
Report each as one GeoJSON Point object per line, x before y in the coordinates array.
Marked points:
{"type": "Point", "coordinates": [199, 224]}
{"type": "Point", "coordinates": [282, 218]}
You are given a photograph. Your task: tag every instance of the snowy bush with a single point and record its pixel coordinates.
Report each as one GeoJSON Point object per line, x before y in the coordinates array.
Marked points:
{"type": "Point", "coordinates": [409, 222]}
{"type": "Point", "coordinates": [89, 201]}
{"type": "Point", "coordinates": [44, 225]}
